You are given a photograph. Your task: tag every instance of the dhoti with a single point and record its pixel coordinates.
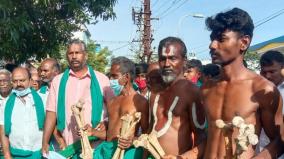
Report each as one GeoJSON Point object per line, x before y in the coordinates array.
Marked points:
{"type": "Point", "coordinates": [106, 150]}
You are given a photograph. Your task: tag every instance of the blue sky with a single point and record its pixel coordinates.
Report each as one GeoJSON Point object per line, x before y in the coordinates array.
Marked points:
{"type": "Point", "coordinates": [115, 33]}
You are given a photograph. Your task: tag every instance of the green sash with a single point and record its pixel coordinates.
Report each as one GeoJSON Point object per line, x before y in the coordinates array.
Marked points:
{"type": "Point", "coordinates": [9, 109]}
{"type": "Point", "coordinates": [107, 149]}
{"type": "Point", "coordinates": [75, 148]}
{"type": "Point", "coordinates": [96, 97]}
{"type": "Point", "coordinates": [25, 154]}
{"type": "Point", "coordinates": [43, 89]}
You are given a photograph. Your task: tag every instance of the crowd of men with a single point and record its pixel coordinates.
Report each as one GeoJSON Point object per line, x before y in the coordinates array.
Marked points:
{"type": "Point", "coordinates": [179, 100]}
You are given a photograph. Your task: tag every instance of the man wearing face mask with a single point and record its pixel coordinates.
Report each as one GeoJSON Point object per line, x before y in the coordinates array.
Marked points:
{"type": "Point", "coordinates": [22, 119]}
{"type": "Point", "coordinates": [193, 71]}
{"type": "Point", "coordinates": [127, 101]}
{"type": "Point", "coordinates": [140, 79]}
{"type": "Point", "coordinates": [79, 82]}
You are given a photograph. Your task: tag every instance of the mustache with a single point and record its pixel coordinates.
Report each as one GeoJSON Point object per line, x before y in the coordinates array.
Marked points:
{"type": "Point", "coordinates": [74, 61]}
{"type": "Point", "coordinates": [214, 53]}
{"type": "Point", "coordinates": [167, 70]}
{"type": "Point", "coordinates": [19, 87]}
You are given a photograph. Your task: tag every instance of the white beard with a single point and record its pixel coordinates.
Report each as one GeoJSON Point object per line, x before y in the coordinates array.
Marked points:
{"type": "Point", "coordinates": [168, 78]}
{"type": "Point", "coordinates": [46, 81]}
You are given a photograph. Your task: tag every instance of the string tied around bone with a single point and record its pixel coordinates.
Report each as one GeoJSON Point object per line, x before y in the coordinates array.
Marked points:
{"type": "Point", "coordinates": [246, 135]}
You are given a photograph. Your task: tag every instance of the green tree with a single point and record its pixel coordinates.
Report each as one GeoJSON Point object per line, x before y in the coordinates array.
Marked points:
{"type": "Point", "coordinates": [98, 60]}
{"type": "Point", "coordinates": [39, 27]}
{"type": "Point", "coordinates": [252, 60]}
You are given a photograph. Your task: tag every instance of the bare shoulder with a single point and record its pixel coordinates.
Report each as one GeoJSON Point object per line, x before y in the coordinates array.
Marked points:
{"type": "Point", "coordinates": [184, 85]}
{"type": "Point", "coordinates": [261, 84]}
{"type": "Point", "coordinates": [113, 102]}
{"type": "Point", "coordinates": [209, 85]}
{"type": "Point", "coordinates": [265, 92]}
{"type": "Point", "coordinates": [186, 90]}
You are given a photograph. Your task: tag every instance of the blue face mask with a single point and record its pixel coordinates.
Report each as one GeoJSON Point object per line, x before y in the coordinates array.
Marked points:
{"type": "Point", "coordinates": [116, 87]}
{"type": "Point", "coordinates": [22, 92]}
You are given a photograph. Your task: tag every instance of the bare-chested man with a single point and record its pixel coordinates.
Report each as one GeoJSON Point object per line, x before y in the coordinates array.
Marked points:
{"type": "Point", "coordinates": [128, 101]}
{"type": "Point", "coordinates": [173, 107]}
{"type": "Point", "coordinates": [154, 79]}
{"type": "Point", "coordinates": [238, 91]}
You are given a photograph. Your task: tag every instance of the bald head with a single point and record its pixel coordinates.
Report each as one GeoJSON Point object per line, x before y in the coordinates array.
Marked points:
{"type": "Point", "coordinates": [154, 78]}
{"type": "Point", "coordinates": [48, 69]}
{"type": "Point", "coordinates": [21, 78]}
{"type": "Point", "coordinates": [153, 66]}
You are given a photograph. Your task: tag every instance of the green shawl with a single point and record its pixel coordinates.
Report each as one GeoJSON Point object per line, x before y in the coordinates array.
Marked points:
{"type": "Point", "coordinates": [43, 89]}
{"type": "Point", "coordinates": [107, 149]}
{"type": "Point", "coordinates": [9, 109]}
{"type": "Point", "coordinates": [96, 97]}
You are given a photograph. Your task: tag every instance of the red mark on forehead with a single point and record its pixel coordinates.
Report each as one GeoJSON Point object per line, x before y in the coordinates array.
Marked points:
{"type": "Point", "coordinates": [167, 50]}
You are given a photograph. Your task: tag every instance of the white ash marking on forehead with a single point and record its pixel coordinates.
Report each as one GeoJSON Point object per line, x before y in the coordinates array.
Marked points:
{"type": "Point", "coordinates": [169, 51]}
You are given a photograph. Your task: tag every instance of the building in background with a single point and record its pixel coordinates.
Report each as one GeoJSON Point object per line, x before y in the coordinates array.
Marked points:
{"type": "Point", "coordinates": [82, 34]}
{"type": "Point", "coordinates": [273, 44]}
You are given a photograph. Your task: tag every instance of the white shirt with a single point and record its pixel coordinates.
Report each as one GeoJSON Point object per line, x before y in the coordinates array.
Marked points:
{"type": "Point", "coordinates": [44, 96]}
{"type": "Point", "coordinates": [2, 100]}
{"type": "Point", "coordinates": [25, 133]}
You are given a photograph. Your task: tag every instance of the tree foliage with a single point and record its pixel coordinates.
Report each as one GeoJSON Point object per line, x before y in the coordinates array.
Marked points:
{"type": "Point", "coordinates": [97, 60]}
{"type": "Point", "coordinates": [252, 60]}
{"type": "Point", "coordinates": [39, 27]}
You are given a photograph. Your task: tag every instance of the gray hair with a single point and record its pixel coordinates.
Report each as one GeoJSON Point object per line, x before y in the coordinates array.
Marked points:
{"type": "Point", "coordinates": [7, 73]}
{"type": "Point", "coordinates": [77, 41]}
{"type": "Point", "coordinates": [126, 65]}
